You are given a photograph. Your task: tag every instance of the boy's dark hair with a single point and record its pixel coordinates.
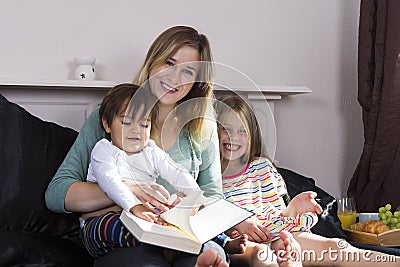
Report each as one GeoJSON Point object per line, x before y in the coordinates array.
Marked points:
{"type": "Point", "coordinates": [130, 97]}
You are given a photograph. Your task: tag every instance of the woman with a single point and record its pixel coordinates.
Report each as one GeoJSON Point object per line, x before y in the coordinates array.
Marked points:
{"type": "Point", "coordinates": [178, 70]}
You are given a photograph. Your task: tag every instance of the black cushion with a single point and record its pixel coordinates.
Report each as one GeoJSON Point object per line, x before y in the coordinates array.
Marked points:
{"type": "Point", "coordinates": [328, 222]}
{"type": "Point", "coordinates": [18, 248]}
{"type": "Point", "coordinates": [31, 151]}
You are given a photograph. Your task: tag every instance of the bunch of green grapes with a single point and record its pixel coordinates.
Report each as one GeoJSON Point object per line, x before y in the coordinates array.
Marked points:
{"type": "Point", "coordinates": [388, 218]}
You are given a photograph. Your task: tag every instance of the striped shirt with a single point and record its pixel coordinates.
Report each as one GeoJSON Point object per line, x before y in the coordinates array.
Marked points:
{"type": "Point", "coordinates": [259, 188]}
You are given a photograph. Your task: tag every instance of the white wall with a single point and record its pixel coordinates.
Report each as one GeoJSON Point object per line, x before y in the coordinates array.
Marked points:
{"type": "Point", "coordinates": [321, 134]}
{"type": "Point", "coordinates": [275, 42]}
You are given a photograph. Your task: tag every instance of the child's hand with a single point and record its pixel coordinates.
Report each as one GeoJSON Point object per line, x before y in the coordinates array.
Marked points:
{"type": "Point", "coordinates": [302, 203]}
{"type": "Point", "coordinates": [142, 212]}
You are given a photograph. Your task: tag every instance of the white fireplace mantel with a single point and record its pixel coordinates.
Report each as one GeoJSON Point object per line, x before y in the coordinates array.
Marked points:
{"type": "Point", "coordinates": [70, 102]}
{"type": "Point", "coordinates": [270, 92]}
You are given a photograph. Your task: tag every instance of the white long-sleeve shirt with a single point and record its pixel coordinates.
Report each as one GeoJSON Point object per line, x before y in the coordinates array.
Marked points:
{"type": "Point", "coordinates": [110, 167]}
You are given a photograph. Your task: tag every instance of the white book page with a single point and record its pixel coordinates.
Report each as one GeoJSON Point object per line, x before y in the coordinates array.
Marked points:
{"type": "Point", "coordinates": [180, 214]}
{"type": "Point", "coordinates": [217, 218]}
{"type": "Point", "coordinates": [165, 236]}
{"type": "Point", "coordinates": [156, 228]}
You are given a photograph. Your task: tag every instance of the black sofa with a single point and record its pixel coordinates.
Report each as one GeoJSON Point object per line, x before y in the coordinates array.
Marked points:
{"type": "Point", "coordinates": [31, 235]}
{"type": "Point", "coordinates": [31, 151]}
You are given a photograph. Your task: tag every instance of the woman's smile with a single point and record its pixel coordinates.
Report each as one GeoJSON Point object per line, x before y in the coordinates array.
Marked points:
{"type": "Point", "coordinates": [168, 89]}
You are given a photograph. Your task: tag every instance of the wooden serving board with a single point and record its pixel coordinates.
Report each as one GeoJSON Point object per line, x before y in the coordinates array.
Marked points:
{"type": "Point", "coordinates": [387, 239]}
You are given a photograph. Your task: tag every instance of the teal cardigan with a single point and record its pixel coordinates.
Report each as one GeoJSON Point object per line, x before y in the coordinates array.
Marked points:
{"type": "Point", "coordinates": [204, 163]}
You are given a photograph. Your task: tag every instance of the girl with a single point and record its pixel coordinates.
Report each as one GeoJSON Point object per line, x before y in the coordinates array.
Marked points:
{"type": "Point", "coordinates": [252, 182]}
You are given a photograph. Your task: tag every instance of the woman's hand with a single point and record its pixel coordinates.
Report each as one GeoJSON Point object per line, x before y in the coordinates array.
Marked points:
{"type": "Point", "coordinates": [175, 198]}
{"type": "Point", "coordinates": [152, 195]}
{"type": "Point", "coordinates": [253, 230]}
{"type": "Point", "coordinates": [142, 212]}
{"type": "Point", "coordinates": [86, 197]}
{"type": "Point", "coordinates": [302, 203]}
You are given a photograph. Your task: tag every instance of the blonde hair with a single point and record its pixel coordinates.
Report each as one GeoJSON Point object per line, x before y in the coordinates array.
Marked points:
{"type": "Point", "coordinates": [246, 113]}
{"type": "Point", "coordinates": [162, 49]}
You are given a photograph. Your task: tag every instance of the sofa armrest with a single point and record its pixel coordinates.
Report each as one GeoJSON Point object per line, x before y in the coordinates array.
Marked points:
{"type": "Point", "coordinates": [31, 151]}
{"type": "Point", "coordinates": [328, 222]}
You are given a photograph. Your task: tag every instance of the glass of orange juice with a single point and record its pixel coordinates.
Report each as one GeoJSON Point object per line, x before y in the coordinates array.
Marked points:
{"type": "Point", "coordinates": [346, 211]}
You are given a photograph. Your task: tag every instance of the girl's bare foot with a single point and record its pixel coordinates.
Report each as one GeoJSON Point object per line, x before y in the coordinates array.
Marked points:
{"type": "Point", "coordinates": [289, 254]}
{"type": "Point", "coordinates": [210, 258]}
{"type": "Point", "coordinates": [236, 245]}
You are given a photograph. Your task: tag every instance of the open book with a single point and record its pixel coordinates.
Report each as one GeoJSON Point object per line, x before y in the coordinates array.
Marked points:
{"type": "Point", "coordinates": [187, 232]}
